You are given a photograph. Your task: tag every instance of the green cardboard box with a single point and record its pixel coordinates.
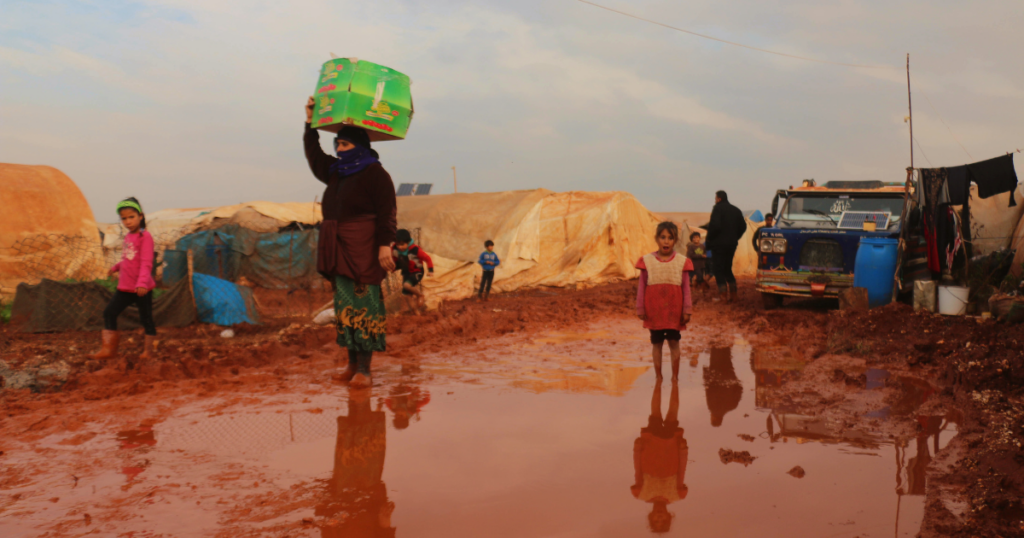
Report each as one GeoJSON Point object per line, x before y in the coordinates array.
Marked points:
{"type": "Point", "coordinates": [364, 94]}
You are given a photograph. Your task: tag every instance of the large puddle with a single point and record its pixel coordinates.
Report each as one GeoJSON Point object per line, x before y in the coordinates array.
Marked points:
{"type": "Point", "coordinates": [604, 450]}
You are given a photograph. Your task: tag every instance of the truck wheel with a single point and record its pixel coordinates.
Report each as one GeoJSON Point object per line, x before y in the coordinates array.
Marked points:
{"type": "Point", "coordinates": [771, 300]}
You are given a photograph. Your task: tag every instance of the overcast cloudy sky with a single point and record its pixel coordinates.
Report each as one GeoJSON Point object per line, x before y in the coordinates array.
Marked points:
{"type": "Point", "coordinates": [188, 103]}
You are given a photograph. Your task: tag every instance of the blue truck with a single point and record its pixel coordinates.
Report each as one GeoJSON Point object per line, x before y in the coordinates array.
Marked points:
{"type": "Point", "coordinates": [811, 249]}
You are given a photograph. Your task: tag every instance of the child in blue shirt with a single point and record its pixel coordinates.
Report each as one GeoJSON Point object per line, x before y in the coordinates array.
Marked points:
{"type": "Point", "coordinates": [488, 260]}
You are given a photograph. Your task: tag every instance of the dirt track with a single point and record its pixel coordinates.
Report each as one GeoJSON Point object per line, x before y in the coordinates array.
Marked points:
{"type": "Point", "coordinates": [970, 372]}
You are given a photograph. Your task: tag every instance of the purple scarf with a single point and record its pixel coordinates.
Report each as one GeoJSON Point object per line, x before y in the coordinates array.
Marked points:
{"type": "Point", "coordinates": [353, 161]}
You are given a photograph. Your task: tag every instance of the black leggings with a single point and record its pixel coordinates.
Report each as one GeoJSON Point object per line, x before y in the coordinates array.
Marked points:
{"type": "Point", "coordinates": [486, 281]}
{"type": "Point", "coordinates": [124, 299]}
{"type": "Point", "coordinates": [723, 267]}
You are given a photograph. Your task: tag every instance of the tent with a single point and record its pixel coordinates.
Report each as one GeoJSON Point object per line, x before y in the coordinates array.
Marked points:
{"type": "Point", "coordinates": [274, 260]}
{"type": "Point", "coordinates": [1017, 243]}
{"type": "Point", "coordinates": [48, 229]}
{"type": "Point", "coordinates": [543, 238]}
{"type": "Point", "coordinates": [993, 222]}
{"type": "Point", "coordinates": [169, 225]}
{"type": "Point", "coordinates": [754, 216]}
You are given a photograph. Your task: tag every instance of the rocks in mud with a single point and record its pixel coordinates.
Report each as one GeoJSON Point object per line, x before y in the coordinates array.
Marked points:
{"type": "Point", "coordinates": [730, 456]}
{"type": "Point", "coordinates": [797, 472]}
{"type": "Point", "coordinates": [35, 375]}
{"type": "Point", "coordinates": [746, 437]}
{"type": "Point", "coordinates": [839, 376]}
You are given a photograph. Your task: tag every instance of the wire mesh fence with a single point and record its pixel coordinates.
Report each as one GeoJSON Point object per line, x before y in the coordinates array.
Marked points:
{"type": "Point", "coordinates": [224, 276]}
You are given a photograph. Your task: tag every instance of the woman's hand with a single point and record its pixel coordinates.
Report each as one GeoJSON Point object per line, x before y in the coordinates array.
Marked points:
{"type": "Point", "coordinates": [384, 255]}
{"type": "Point", "coordinates": [141, 291]}
{"type": "Point", "coordinates": [309, 109]}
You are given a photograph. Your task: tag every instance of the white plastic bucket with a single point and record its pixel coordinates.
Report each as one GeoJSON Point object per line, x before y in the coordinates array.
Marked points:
{"type": "Point", "coordinates": [953, 300]}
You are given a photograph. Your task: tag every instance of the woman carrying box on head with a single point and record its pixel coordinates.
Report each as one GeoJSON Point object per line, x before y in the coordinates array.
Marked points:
{"type": "Point", "coordinates": [354, 253]}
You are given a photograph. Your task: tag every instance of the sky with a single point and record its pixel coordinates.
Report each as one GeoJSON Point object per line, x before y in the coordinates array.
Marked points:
{"type": "Point", "coordinates": [189, 103]}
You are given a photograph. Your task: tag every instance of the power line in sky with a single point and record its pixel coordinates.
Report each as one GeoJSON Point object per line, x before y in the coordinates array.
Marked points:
{"type": "Point", "coordinates": [670, 27]}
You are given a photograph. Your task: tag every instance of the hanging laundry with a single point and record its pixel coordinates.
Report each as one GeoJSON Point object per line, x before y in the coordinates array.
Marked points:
{"type": "Point", "coordinates": [994, 176]}
{"type": "Point", "coordinates": [958, 185]}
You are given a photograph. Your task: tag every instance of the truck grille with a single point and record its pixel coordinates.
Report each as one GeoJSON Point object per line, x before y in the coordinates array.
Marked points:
{"type": "Point", "coordinates": [821, 254]}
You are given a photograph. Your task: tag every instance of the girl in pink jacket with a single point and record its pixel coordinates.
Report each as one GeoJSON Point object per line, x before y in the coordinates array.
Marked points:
{"type": "Point", "coordinates": [135, 284]}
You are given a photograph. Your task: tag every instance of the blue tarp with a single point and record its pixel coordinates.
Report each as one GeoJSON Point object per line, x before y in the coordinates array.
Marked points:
{"type": "Point", "coordinates": [282, 260]}
{"type": "Point", "coordinates": [223, 303]}
{"type": "Point", "coordinates": [754, 216]}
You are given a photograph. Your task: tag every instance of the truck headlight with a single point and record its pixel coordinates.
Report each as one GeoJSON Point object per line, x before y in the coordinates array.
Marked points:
{"type": "Point", "coordinates": [773, 246]}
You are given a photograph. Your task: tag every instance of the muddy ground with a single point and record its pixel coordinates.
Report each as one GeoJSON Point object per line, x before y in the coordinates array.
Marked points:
{"type": "Point", "coordinates": [970, 372]}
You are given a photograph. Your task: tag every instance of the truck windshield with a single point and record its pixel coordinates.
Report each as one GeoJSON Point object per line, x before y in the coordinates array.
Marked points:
{"type": "Point", "coordinates": [827, 208]}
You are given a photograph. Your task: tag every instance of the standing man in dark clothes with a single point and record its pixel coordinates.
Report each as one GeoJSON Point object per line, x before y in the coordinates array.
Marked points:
{"type": "Point", "coordinates": [724, 232]}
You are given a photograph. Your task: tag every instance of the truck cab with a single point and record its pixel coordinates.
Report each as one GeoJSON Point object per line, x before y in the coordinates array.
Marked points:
{"type": "Point", "coordinates": [811, 249]}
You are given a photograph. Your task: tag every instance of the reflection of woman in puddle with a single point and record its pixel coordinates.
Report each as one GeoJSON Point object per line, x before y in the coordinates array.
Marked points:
{"type": "Point", "coordinates": [721, 386]}
{"type": "Point", "coordinates": [406, 402]}
{"type": "Point", "coordinates": [659, 461]}
{"type": "Point", "coordinates": [356, 504]}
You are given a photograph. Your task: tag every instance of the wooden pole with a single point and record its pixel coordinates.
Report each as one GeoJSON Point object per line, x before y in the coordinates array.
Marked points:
{"type": "Point", "coordinates": [191, 288]}
{"type": "Point", "coordinates": [456, 178]}
{"type": "Point", "coordinates": [910, 110]}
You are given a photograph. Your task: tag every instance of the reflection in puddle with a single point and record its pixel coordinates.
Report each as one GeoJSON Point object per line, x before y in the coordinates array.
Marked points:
{"type": "Point", "coordinates": [499, 461]}
{"type": "Point", "coordinates": [721, 386]}
{"type": "Point", "coordinates": [131, 440]}
{"type": "Point", "coordinates": [659, 461]}
{"type": "Point", "coordinates": [356, 504]}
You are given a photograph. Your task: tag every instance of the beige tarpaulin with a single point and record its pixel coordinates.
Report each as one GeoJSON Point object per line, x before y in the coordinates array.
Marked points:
{"type": "Point", "coordinates": [47, 230]}
{"type": "Point", "coordinates": [745, 261]}
{"type": "Point", "coordinates": [993, 221]}
{"type": "Point", "coordinates": [543, 238]}
{"type": "Point", "coordinates": [169, 225]}
{"type": "Point", "coordinates": [1017, 243]}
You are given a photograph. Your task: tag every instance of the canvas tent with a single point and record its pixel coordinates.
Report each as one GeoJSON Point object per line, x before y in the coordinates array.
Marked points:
{"type": "Point", "coordinates": [993, 222]}
{"type": "Point", "coordinates": [38, 241]}
{"type": "Point", "coordinates": [169, 225]}
{"type": "Point", "coordinates": [543, 238]}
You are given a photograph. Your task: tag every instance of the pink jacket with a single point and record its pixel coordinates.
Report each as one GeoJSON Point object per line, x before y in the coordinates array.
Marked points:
{"type": "Point", "coordinates": [136, 265]}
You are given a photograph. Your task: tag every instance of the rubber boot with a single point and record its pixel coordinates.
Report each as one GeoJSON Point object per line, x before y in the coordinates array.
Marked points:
{"type": "Point", "coordinates": [362, 378]}
{"type": "Point", "coordinates": [148, 347]}
{"type": "Point", "coordinates": [723, 294]}
{"type": "Point", "coordinates": [109, 349]}
{"type": "Point", "coordinates": [350, 371]}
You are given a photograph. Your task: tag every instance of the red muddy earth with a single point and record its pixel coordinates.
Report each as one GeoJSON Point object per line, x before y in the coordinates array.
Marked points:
{"type": "Point", "coordinates": [535, 414]}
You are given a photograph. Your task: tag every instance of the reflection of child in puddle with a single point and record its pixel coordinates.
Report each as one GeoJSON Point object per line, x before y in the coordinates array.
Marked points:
{"type": "Point", "coordinates": [659, 461]}
{"type": "Point", "coordinates": [406, 402]}
{"type": "Point", "coordinates": [356, 503]}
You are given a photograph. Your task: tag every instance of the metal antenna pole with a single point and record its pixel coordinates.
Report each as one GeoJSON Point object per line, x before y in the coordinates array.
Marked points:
{"type": "Point", "coordinates": [910, 109]}
{"type": "Point", "coordinates": [456, 178]}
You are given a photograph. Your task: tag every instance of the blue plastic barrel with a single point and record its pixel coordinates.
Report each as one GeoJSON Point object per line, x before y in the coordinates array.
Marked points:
{"type": "Point", "coordinates": [875, 268]}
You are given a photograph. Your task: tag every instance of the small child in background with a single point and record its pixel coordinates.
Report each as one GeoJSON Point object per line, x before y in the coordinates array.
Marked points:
{"type": "Point", "coordinates": [663, 295]}
{"type": "Point", "coordinates": [135, 283]}
{"type": "Point", "coordinates": [410, 259]}
{"type": "Point", "coordinates": [697, 254]}
{"type": "Point", "coordinates": [488, 260]}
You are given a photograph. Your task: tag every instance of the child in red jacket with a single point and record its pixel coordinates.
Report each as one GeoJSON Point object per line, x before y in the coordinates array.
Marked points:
{"type": "Point", "coordinates": [410, 259]}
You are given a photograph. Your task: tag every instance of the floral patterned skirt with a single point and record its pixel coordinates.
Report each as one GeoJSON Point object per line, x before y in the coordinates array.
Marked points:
{"type": "Point", "coordinates": [361, 319]}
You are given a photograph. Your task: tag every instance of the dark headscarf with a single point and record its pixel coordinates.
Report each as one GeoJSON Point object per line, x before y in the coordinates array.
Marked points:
{"type": "Point", "coordinates": [356, 159]}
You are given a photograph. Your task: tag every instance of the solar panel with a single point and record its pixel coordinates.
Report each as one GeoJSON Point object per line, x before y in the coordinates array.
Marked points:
{"type": "Point", "coordinates": [405, 189]}
{"type": "Point", "coordinates": [854, 220]}
{"type": "Point", "coordinates": [423, 189]}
